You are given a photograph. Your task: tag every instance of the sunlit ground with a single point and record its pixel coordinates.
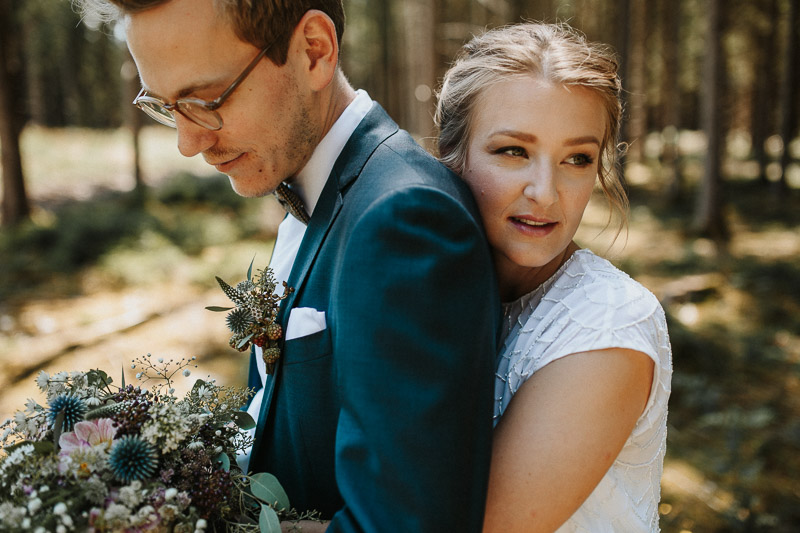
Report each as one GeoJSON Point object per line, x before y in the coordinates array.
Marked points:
{"type": "Point", "coordinates": [75, 163]}
{"type": "Point", "coordinates": [734, 431]}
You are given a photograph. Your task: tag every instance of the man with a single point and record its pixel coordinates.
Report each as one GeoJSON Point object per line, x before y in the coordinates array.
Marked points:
{"type": "Point", "coordinates": [378, 413]}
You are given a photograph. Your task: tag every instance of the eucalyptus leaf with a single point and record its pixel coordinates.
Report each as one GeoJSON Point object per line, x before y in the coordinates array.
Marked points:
{"type": "Point", "coordinates": [218, 309]}
{"type": "Point", "coordinates": [266, 488]}
{"type": "Point", "coordinates": [44, 447]}
{"type": "Point", "coordinates": [197, 384]}
{"type": "Point", "coordinates": [223, 461]}
{"type": "Point", "coordinates": [245, 340]}
{"type": "Point", "coordinates": [98, 378]}
{"type": "Point", "coordinates": [250, 269]}
{"type": "Point", "coordinates": [243, 420]}
{"type": "Point", "coordinates": [58, 427]}
{"type": "Point", "coordinates": [268, 521]}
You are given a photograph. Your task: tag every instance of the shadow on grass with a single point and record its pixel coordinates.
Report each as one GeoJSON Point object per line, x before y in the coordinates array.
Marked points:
{"type": "Point", "coordinates": [734, 415]}
{"type": "Point", "coordinates": [733, 412]}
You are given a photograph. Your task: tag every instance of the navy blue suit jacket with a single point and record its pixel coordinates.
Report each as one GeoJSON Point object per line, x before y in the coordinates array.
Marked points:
{"type": "Point", "coordinates": [383, 420]}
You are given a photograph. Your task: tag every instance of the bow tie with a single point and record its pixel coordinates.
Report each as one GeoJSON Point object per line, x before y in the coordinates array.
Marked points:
{"type": "Point", "coordinates": [291, 202]}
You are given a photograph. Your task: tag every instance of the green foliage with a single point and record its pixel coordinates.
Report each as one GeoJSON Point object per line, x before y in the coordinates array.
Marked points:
{"type": "Point", "coordinates": [182, 217]}
{"type": "Point", "coordinates": [187, 190]}
{"type": "Point", "coordinates": [266, 488]}
{"type": "Point", "coordinates": [268, 521]}
{"type": "Point", "coordinates": [78, 236]}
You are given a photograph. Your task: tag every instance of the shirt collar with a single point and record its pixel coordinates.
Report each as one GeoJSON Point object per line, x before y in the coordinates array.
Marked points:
{"type": "Point", "coordinates": [310, 181]}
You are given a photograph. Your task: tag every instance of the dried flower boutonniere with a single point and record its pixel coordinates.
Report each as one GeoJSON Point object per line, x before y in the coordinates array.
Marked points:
{"type": "Point", "coordinates": [252, 320]}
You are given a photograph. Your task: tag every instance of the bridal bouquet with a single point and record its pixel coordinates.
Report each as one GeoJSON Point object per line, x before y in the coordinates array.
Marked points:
{"type": "Point", "coordinates": [101, 458]}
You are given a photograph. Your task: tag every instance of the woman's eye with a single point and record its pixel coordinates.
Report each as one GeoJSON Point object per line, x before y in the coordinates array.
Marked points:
{"type": "Point", "coordinates": [580, 160]}
{"type": "Point", "coordinates": [514, 151]}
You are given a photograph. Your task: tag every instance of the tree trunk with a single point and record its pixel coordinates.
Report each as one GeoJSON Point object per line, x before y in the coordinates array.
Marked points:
{"type": "Point", "coordinates": [761, 125]}
{"type": "Point", "coordinates": [419, 65]}
{"type": "Point", "coordinates": [133, 117]}
{"type": "Point", "coordinates": [620, 43]}
{"type": "Point", "coordinates": [789, 93]}
{"type": "Point", "coordinates": [390, 16]}
{"type": "Point", "coordinates": [34, 69]}
{"type": "Point", "coordinates": [708, 219]}
{"type": "Point", "coordinates": [670, 98]}
{"type": "Point", "coordinates": [15, 206]}
{"type": "Point", "coordinates": [498, 9]}
{"type": "Point", "coordinates": [531, 10]}
{"type": "Point", "coordinates": [635, 72]}
{"type": "Point", "coordinates": [384, 17]}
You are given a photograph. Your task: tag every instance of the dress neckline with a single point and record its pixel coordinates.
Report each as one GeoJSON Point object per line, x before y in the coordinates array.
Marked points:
{"type": "Point", "coordinates": [523, 300]}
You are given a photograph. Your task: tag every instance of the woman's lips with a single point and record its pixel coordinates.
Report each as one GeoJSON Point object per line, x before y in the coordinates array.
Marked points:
{"type": "Point", "coordinates": [533, 226]}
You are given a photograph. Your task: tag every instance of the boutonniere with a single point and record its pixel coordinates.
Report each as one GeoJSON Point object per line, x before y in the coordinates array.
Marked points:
{"type": "Point", "coordinates": [252, 320]}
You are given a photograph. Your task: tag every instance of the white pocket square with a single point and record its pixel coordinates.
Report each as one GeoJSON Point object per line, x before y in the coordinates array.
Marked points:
{"type": "Point", "coordinates": [304, 321]}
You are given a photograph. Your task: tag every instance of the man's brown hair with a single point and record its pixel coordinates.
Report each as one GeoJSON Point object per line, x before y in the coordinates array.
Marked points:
{"type": "Point", "coordinates": [258, 22]}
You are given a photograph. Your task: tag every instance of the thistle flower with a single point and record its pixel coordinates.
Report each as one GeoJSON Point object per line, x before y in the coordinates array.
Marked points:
{"type": "Point", "coordinates": [239, 320]}
{"type": "Point", "coordinates": [73, 408]}
{"type": "Point", "coordinates": [132, 459]}
{"type": "Point", "coordinates": [252, 321]}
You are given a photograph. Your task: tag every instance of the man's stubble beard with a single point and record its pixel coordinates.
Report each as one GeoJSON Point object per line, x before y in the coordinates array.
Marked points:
{"type": "Point", "coordinates": [297, 150]}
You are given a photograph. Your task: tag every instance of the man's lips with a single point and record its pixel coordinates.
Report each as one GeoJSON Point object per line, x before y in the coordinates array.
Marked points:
{"type": "Point", "coordinates": [222, 166]}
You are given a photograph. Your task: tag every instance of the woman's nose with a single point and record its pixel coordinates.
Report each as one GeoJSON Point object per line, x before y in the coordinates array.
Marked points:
{"type": "Point", "coordinates": [541, 183]}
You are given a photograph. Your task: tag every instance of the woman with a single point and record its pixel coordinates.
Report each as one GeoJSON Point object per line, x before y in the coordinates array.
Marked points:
{"type": "Point", "coordinates": [529, 116]}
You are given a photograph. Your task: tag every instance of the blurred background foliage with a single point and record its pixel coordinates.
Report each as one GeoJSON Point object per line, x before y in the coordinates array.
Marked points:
{"type": "Point", "coordinates": [110, 240]}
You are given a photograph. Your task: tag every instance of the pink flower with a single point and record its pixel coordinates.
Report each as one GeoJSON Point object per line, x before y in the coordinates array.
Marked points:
{"type": "Point", "coordinates": [86, 434]}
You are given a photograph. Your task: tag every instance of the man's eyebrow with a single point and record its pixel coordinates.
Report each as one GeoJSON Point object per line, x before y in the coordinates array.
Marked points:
{"type": "Point", "coordinates": [186, 91]}
{"type": "Point", "coordinates": [183, 93]}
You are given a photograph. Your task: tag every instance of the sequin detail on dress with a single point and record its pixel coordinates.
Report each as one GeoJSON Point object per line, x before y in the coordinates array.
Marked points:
{"type": "Point", "coordinates": [589, 304]}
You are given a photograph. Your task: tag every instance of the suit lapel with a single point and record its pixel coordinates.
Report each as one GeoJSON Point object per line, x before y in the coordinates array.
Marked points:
{"type": "Point", "coordinates": [373, 130]}
{"type": "Point", "coordinates": [327, 208]}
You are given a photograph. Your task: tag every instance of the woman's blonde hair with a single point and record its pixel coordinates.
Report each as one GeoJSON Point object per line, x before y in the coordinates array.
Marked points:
{"type": "Point", "coordinates": [554, 52]}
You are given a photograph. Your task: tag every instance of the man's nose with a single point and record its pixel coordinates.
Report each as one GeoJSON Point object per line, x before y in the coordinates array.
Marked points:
{"type": "Point", "coordinates": [193, 139]}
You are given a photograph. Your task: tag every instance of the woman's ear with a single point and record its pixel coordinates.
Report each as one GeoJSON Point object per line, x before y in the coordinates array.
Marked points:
{"type": "Point", "coordinates": [318, 47]}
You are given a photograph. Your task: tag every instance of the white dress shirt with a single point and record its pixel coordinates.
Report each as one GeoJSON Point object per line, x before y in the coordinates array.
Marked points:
{"type": "Point", "coordinates": [308, 184]}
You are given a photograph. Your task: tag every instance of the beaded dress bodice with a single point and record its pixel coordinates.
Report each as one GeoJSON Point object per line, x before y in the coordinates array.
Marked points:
{"type": "Point", "coordinates": [589, 304]}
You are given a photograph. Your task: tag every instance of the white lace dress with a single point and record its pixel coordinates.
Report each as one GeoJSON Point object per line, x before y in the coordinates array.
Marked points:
{"type": "Point", "coordinates": [589, 304]}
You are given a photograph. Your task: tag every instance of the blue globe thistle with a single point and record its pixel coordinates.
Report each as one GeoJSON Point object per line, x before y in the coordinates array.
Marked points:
{"type": "Point", "coordinates": [74, 410]}
{"type": "Point", "coordinates": [239, 320]}
{"type": "Point", "coordinates": [132, 459]}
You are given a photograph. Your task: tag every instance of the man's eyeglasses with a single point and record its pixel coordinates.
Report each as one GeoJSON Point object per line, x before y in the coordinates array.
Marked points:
{"type": "Point", "coordinates": [201, 112]}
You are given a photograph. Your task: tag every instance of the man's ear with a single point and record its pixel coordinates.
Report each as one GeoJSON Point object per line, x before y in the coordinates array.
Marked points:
{"type": "Point", "coordinates": [318, 47]}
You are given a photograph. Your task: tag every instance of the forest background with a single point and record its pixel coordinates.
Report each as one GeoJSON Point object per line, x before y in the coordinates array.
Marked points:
{"type": "Point", "coordinates": [110, 240]}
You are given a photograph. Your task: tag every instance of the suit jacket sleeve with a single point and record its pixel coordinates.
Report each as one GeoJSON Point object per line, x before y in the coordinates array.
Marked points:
{"type": "Point", "coordinates": [416, 312]}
